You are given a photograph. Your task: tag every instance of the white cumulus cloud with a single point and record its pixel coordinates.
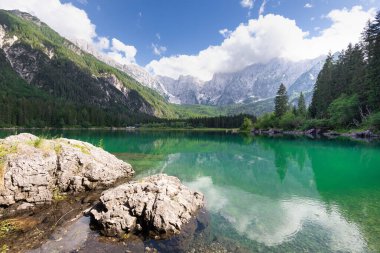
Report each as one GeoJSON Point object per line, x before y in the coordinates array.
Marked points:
{"type": "Point", "coordinates": [260, 40]}
{"type": "Point", "coordinates": [308, 5]}
{"type": "Point", "coordinates": [225, 32]}
{"type": "Point", "coordinates": [74, 24]}
{"type": "Point", "coordinates": [158, 50]}
{"type": "Point", "coordinates": [122, 53]}
{"type": "Point", "coordinates": [247, 3]}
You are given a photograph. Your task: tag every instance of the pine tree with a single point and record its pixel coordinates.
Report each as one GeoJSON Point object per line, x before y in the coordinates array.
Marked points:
{"type": "Point", "coordinates": [281, 101]}
{"type": "Point", "coordinates": [356, 69]}
{"type": "Point", "coordinates": [372, 41]}
{"type": "Point", "coordinates": [322, 95]}
{"type": "Point", "coordinates": [301, 105]}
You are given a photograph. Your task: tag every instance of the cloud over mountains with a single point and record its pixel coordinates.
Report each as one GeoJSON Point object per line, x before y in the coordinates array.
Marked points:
{"type": "Point", "coordinates": [260, 40]}
{"type": "Point", "coordinates": [256, 41]}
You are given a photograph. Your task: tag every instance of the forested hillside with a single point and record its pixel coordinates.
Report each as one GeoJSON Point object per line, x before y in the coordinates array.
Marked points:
{"type": "Point", "coordinates": [46, 80]}
{"type": "Point", "coordinates": [346, 94]}
{"type": "Point", "coordinates": [348, 90]}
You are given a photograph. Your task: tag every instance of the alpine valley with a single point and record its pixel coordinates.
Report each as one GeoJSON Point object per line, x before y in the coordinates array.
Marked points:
{"type": "Point", "coordinates": [242, 126]}
{"type": "Point", "coordinates": [40, 69]}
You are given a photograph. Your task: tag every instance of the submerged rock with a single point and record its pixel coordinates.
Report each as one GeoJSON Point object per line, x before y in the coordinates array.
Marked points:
{"type": "Point", "coordinates": [35, 170]}
{"type": "Point", "coordinates": [157, 206]}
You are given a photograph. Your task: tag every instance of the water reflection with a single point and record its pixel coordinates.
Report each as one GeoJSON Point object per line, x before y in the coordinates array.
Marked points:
{"type": "Point", "coordinates": [273, 221]}
{"type": "Point", "coordinates": [276, 194]}
{"type": "Point", "coordinates": [279, 192]}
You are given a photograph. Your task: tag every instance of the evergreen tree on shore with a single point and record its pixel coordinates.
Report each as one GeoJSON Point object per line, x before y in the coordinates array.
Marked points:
{"type": "Point", "coordinates": [281, 101]}
{"type": "Point", "coordinates": [372, 51]}
{"type": "Point", "coordinates": [346, 93]}
{"type": "Point", "coordinates": [301, 105]}
{"type": "Point", "coordinates": [322, 90]}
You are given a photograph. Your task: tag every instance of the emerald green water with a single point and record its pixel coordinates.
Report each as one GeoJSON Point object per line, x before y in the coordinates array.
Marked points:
{"type": "Point", "coordinates": [266, 194]}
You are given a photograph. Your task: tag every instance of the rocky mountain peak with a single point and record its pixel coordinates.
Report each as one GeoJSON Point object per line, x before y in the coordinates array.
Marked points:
{"type": "Point", "coordinates": [253, 83]}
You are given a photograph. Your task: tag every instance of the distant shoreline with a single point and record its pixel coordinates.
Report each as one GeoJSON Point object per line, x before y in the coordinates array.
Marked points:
{"type": "Point", "coordinates": [352, 134]}
{"type": "Point", "coordinates": [127, 129]}
{"type": "Point", "coordinates": [315, 133]}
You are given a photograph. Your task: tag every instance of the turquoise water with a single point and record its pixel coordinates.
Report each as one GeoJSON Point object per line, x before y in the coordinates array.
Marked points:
{"type": "Point", "coordinates": [266, 194]}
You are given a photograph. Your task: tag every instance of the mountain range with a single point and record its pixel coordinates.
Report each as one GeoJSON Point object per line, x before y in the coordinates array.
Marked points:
{"type": "Point", "coordinates": [67, 74]}
{"type": "Point", "coordinates": [254, 83]}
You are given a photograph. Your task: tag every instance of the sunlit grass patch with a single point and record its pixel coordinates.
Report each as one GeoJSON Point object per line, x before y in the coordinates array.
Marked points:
{"type": "Point", "coordinates": [58, 196]}
{"type": "Point", "coordinates": [82, 148]}
{"type": "Point", "coordinates": [6, 227]}
{"type": "Point", "coordinates": [38, 142]}
{"type": "Point", "coordinates": [57, 148]}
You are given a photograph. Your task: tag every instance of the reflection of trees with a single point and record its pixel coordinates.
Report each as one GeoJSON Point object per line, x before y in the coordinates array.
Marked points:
{"type": "Point", "coordinates": [280, 163]}
{"type": "Point", "coordinates": [248, 138]}
{"type": "Point", "coordinates": [252, 168]}
{"type": "Point", "coordinates": [301, 157]}
{"type": "Point", "coordinates": [345, 174]}
{"type": "Point", "coordinates": [287, 151]}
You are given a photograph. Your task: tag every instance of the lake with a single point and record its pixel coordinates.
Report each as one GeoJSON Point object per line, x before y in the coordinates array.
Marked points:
{"type": "Point", "coordinates": [265, 194]}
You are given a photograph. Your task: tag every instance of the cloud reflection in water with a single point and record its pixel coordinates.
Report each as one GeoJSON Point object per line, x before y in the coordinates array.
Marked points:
{"type": "Point", "coordinates": [274, 221]}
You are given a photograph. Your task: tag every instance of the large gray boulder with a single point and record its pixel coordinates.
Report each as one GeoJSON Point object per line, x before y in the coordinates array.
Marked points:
{"type": "Point", "coordinates": [157, 206]}
{"type": "Point", "coordinates": [33, 170]}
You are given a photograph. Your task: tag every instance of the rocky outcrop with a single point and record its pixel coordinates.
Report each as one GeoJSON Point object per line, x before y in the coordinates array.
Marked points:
{"type": "Point", "coordinates": [131, 98]}
{"type": "Point", "coordinates": [312, 131]}
{"type": "Point", "coordinates": [115, 82]}
{"type": "Point", "coordinates": [365, 134]}
{"type": "Point", "coordinates": [5, 40]}
{"type": "Point", "coordinates": [25, 60]}
{"type": "Point", "coordinates": [157, 206]}
{"type": "Point", "coordinates": [35, 170]}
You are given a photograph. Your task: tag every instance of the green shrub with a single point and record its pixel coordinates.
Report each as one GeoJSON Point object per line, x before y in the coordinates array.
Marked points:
{"type": "Point", "coordinates": [266, 121]}
{"type": "Point", "coordinates": [290, 121]}
{"type": "Point", "coordinates": [344, 110]}
{"type": "Point", "coordinates": [315, 123]}
{"type": "Point", "coordinates": [374, 121]}
{"type": "Point", "coordinates": [247, 125]}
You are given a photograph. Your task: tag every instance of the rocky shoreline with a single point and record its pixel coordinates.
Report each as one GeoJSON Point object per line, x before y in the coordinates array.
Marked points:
{"type": "Point", "coordinates": [317, 133]}
{"type": "Point", "coordinates": [46, 184]}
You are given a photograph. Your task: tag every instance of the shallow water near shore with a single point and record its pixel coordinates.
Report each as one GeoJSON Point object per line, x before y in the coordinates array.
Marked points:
{"type": "Point", "coordinates": [263, 194]}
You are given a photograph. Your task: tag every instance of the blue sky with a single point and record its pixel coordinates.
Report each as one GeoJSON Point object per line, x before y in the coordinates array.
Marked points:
{"type": "Point", "coordinates": [188, 26]}
{"type": "Point", "coordinates": [203, 37]}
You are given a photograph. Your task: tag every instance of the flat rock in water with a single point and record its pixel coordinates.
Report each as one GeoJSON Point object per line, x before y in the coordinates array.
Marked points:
{"type": "Point", "coordinates": [34, 170]}
{"type": "Point", "coordinates": [157, 206]}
